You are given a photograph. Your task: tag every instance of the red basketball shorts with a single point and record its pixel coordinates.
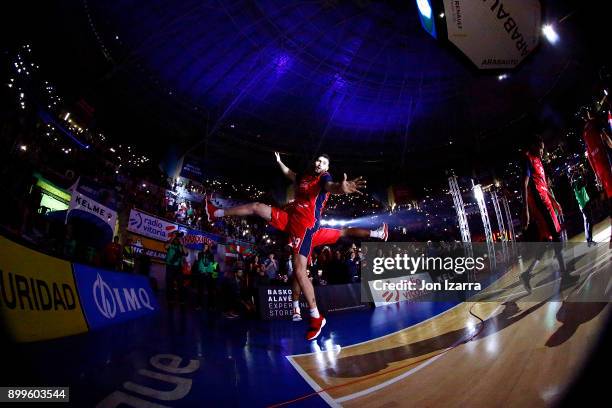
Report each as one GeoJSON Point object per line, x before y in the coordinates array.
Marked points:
{"type": "Point", "coordinates": [303, 238]}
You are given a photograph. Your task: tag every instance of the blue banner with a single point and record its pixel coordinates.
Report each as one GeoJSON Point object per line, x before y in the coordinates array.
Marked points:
{"type": "Point", "coordinates": [109, 298]}
{"type": "Point", "coordinates": [192, 169]}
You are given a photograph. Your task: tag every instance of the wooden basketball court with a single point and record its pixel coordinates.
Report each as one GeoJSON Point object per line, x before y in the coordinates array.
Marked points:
{"type": "Point", "coordinates": [518, 351]}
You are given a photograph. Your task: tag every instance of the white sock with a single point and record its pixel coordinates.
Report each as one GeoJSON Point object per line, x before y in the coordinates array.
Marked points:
{"type": "Point", "coordinates": [315, 313]}
{"type": "Point", "coordinates": [296, 304]}
{"type": "Point", "coordinates": [219, 213]}
{"type": "Point", "coordinates": [376, 234]}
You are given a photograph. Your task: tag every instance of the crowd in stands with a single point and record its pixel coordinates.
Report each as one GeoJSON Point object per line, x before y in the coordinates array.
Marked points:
{"type": "Point", "coordinates": [61, 150]}
{"type": "Point", "coordinates": [235, 290]}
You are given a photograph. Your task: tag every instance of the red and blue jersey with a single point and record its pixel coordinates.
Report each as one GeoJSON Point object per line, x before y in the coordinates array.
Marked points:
{"type": "Point", "coordinates": [310, 198]}
{"type": "Point", "coordinates": [541, 208]}
{"type": "Point", "coordinates": [300, 219]}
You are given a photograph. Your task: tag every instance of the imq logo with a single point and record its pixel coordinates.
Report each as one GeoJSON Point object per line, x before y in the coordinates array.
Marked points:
{"type": "Point", "coordinates": [111, 300]}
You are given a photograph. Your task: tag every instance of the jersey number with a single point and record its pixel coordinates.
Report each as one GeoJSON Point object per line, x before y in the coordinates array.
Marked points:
{"type": "Point", "coordinates": [295, 242]}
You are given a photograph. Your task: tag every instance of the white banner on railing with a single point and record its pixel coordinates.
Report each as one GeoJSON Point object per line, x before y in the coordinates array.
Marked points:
{"type": "Point", "coordinates": [82, 202]}
{"type": "Point", "coordinates": [150, 226]}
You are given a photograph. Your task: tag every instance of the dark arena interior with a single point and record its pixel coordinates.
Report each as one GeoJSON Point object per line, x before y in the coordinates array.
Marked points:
{"type": "Point", "coordinates": [346, 203]}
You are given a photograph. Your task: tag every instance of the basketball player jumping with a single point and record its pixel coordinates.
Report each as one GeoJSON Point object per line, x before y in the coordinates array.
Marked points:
{"type": "Point", "coordinates": [301, 220]}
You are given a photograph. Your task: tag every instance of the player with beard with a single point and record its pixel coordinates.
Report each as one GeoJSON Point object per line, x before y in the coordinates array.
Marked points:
{"type": "Point", "coordinates": [301, 220]}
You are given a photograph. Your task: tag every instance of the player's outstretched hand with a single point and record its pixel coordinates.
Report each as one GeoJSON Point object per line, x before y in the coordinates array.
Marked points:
{"type": "Point", "coordinates": [277, 155]}
{"type": "Point", "coordinates": [353, 186]}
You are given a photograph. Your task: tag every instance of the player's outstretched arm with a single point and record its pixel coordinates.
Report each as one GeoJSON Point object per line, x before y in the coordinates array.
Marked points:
{"type": "Point", "coordinates": [525, 202]}
{"type": "Point", "coordinates": [290, 174]}
{"type": "Point", "coordinates": [346, 186]}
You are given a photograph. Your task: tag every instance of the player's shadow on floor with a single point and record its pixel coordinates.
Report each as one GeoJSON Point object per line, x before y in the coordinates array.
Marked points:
{"type": "Point", "coordinates": [370, 363]}
{"type": "Point", "coordinates": [545, 276]}
{"type": "Point", "coordinates": [572, 315]}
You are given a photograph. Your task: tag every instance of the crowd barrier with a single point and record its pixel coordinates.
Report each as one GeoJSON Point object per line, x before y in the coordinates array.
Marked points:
{"type": "Point", "coordinates": [42, 297]}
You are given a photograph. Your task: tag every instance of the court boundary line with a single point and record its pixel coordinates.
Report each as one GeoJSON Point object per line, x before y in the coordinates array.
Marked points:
{"type": "Point", "coordinates": [320, 390]}
{"type": "Point", "coordinates": [383, 336]}
{"type": "Point", "coordinates": [384, 384]}
{"type": "Point", "coordinates": [435, 358]}
{"type": "Point", "coordinates": [411, 371]}
{"type": "Point", "coordinates": [336, 402]}
{"type": "Point", "coordinates": [313, 384]}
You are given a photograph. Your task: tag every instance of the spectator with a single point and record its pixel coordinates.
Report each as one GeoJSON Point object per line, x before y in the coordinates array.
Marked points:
{"type": "Point", "coordinates": [363, 258]}
{"type": "Point", "coordinates": [69, 248]}
{"type": "Point", "coordinates": [579, 186]}
{"type": "Point", "coordinates": [128, 256]}
{"type": "Point", "coordinates": [323, 265]}
{"type": "Point", "coordinates": [212, 277]}
{"type": "Point", "coordinates": [198, 276]}
{"type": "Point", "coordinates": [230, 290]}
{"type": "Point", "coordinates": [339, 272]}
{"type": "Point", "coordinates": [246, 304]}
{"type": "Point", "coordinates": [144, 264]}
{"type": "Point", "coordinates": [207, 250]}
{"type": "Point", "coordinates": [31, 208]}
{"type": "Point", "coordinates": [239, 262]}
{"type": "Point", "coordinates": [253, 266]}
{"type": "Point", "coordinates": [112, 255]}
{"type": "Point", "coordinates": [190, 214]}
{"type": "Point", "coordinates": [271, 267]}
{"type": "Point", "coordinates": [352, 265]}
{"type": "Point", "coordinates": [174, 274]}
{"type": "Point", "coordinates": [260, 280]}
{"type": "Point", "coordinates": [289, 264]}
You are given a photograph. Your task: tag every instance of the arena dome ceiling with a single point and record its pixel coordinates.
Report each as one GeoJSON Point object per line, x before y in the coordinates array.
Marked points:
{"type": "Point", "coordinates": [353, 78]}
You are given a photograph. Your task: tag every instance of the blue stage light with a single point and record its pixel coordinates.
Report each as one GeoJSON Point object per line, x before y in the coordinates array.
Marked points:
{"type": "Point", "coordinates": [425, 15]}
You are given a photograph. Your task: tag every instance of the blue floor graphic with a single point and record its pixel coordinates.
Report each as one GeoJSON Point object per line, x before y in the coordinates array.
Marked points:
{"type": "Point", "coordinates": [241, 362]}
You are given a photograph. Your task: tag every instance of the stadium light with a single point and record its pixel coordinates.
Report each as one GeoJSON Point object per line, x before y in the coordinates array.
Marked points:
{"type": "Point", "coordinates": [549, 32]}
{"type": "Point", "coordinates": [478, 193]}
{"type": "Point", "coordinates": [424, 8]}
